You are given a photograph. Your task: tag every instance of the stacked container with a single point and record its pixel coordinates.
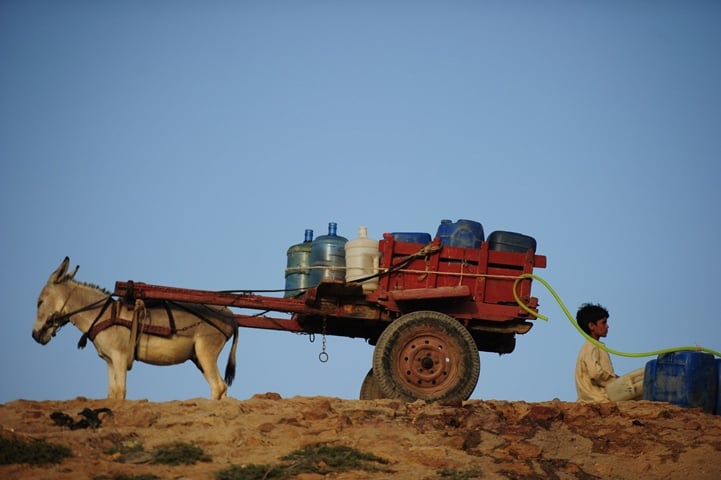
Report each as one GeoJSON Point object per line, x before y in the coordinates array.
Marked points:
{"type": "Point", "coordinates": [297, 272]}
{"type": "Point", "coordinates": [361, 259]}
{"type": "Point", "coordinates": [511, 242]}
{"type": "Point", "coordinates": [327, 257]}
{"type": "Point", "coordinates": [412, 237]}
{"type": "Point", "coordinates": [463, 233]}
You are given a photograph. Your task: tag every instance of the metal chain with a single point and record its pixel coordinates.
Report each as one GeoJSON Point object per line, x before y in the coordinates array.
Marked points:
{"type": "Point", "coordinates": [323, 355]}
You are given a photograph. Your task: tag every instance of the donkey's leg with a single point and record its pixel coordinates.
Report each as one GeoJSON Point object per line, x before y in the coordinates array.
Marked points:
{"type": "Point", "coordinates": [206, 355]}
{"type": "Point", "coordinates": [111, 379]}
{"type": "Point", "coordinates": [117, 376]}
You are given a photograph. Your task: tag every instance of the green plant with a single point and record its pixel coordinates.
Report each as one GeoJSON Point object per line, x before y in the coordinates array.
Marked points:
{"type": "Point", "coordinates": [325, 459]}
{"type": "Point", "coordinates": [251, 472]}
{"type": "Point", "coordinates": [125, 476]}
{"type": "Point", "coordinates": [451, 474]}
{"type": "Point", "coordinates": [179, 453]}
{"type": "Point", "coordinates": [36, 452]}
{"type": "Point", "coordinates": [320, 459]}
{"type": "Point", "coordinates": [124, 448]}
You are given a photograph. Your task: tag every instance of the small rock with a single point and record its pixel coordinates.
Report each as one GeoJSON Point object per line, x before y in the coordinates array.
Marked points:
{"type": "Point", "coordinates": [266, 427]}
{"type": "Point", "coordinates": [267, 396]}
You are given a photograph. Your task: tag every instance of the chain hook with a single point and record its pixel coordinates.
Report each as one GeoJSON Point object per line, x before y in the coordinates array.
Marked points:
{"type": "Point", "coordinates": [323, 355]}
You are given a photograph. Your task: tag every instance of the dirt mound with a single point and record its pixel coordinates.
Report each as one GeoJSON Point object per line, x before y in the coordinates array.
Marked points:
{"type": "Point", "coordinates": [472, 439]}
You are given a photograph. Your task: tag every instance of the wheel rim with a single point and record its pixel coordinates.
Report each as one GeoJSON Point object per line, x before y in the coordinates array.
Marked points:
{"type": "Point", "coordinates": [426, 355]}
{"type": "Point", "coordinates": [425, 362]}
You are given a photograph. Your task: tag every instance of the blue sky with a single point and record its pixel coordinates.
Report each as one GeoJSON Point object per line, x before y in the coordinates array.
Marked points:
{"type": "Point", "coordinates": [191, 143]}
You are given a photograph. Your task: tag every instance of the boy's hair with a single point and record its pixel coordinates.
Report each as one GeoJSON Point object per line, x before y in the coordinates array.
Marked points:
{"type": "Point", "coordinates": [590, 313]}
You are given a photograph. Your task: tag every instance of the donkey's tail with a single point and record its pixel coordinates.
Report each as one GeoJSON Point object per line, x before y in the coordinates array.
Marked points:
{"type": "Point", "coordinates": [230, 367]}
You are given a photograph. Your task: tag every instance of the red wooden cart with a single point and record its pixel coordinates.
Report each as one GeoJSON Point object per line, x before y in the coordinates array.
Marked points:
{"type": "Point", "coordinates": [434, 308]}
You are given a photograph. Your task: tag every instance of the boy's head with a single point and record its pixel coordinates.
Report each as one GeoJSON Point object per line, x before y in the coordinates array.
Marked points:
{"type": "Point", "coordinates": [590, 313]}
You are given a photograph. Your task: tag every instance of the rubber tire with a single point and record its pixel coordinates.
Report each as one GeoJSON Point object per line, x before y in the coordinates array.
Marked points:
{"type": "Point", "coordinates": [370, 389]}
{"type": "Point", "coordinates": [421, 335]}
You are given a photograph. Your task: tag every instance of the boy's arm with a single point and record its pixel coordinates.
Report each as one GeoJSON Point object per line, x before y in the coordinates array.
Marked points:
{"type": "Point", "coordinates": [600, 368]}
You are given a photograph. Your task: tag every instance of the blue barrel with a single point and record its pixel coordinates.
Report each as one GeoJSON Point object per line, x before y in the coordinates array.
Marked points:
{"type": "Point", "coordinates": [297, 271]}
{"type": "Point", "coordinates": [687, 379]}
{"type": "Point", "coordinates": [718, 390]}
{"type": "Point", "coordinates": [412, 237]}
{"type": "Point", "coordinates": [649, 375]}
{"type": "Point", "coordinates": [463, 233]}
{"type": "Point", "coordinates": [327, 257]}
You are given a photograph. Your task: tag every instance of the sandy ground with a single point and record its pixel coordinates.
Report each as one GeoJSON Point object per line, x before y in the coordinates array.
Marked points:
{"type": "Point", "coordinates": [494, 439]}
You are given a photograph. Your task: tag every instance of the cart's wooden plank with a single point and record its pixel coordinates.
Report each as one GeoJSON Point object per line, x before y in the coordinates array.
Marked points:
{"type": "Point", "coordinates": [431, 293]}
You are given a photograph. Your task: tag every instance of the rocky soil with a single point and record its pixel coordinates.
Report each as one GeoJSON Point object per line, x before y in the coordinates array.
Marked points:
{"type": "Point", "coordinates": [472, 439]}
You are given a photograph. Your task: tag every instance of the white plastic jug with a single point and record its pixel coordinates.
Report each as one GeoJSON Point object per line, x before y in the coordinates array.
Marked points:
{"type": "Point", "coordinates": [361, 258]}
{"type": "Point", "coordinates": [626, 387]}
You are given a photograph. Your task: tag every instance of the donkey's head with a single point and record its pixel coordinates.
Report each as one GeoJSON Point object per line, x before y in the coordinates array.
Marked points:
{"type": "Point", "coordinates": [51, 304]}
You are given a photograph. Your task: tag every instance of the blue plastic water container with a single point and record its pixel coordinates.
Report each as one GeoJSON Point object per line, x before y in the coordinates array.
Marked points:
{"type": "Point", "coordinates": [463, 233]}
{"type": "Point", "coordinates": [718, 391]}
{"type": "Point", "coordinates": [687, 379]}
{"type": "Point", "coordinates": [412, 237]}
{"type": "Point", "coordinates": [297, 272]}
{"type": "Point", "coordinates": [648, 376]}
{"type": "Point", "coordinates": [327, 257]}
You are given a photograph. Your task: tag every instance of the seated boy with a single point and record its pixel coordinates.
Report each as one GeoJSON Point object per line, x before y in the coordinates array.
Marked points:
{"type": "Point", "coordinates": [593, 367]}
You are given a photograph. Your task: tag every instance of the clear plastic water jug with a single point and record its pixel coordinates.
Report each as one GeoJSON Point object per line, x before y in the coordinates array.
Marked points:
{"type": "Point", "coordinates": [327, 257]}
{"type": "Point", "coordinates": [297, 272]}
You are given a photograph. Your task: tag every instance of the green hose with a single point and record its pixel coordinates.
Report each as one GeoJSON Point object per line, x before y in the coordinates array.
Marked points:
{"type": "Point", "coordinates": [588, 337]}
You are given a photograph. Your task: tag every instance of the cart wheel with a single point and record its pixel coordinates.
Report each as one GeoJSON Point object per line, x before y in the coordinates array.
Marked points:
{"type": "Point", "coordinates": [428, 356]}
{"type": "Point", "coordinates": [370, 389]}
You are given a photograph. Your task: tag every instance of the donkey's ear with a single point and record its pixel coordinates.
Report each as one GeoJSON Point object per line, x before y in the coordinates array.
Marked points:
{"type": "Point", "coordinates": [71, 276]}
{"type": "Point", "coordinates": [59, 274]}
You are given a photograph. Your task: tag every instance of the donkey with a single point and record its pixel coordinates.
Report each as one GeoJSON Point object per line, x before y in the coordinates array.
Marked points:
{"type": "Point", "coordinates": [167, 333]}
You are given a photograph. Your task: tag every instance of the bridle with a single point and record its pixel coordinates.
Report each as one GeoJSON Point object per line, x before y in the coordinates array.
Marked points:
{"type": "Point", "coordinates": [57, 320]}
